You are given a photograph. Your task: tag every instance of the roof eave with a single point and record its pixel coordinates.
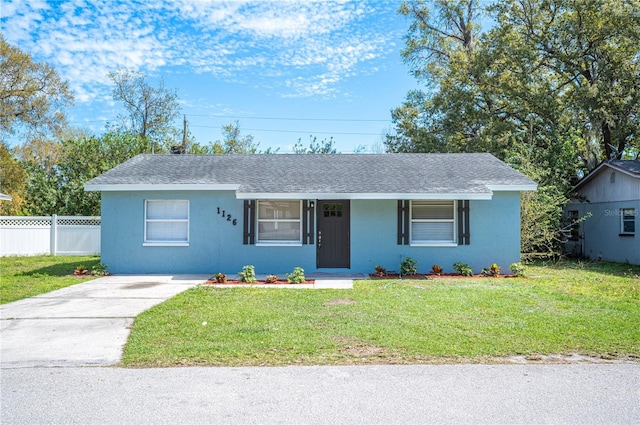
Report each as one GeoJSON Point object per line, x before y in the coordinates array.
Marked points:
{"type": "Point", "coordinates": [513, 187]}
{"type": "Point", "coordinates": [485, 196]}
{"type": "Point", "coordinates": [482, 195]}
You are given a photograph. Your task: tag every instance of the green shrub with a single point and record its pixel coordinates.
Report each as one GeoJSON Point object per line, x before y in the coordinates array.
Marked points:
{"type": "Point", "coordinates": [462, 269]}
{"type": "Point", "coordinates": [408, 267]}
{"type": "Point", "coordinates": [517, 269]}
{"type": "Point", "coordinates": [248, 274]}
{"type": "Point", "coordinates": [297, 276]}
{"type": "Point", "coordinates": [100, 269]}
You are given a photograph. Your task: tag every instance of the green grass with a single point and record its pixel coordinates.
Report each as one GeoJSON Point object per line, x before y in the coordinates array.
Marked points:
{"type": "Point", "coordinates": [591, 309]}
{"type": "Point", "coordinates": [23, 277]}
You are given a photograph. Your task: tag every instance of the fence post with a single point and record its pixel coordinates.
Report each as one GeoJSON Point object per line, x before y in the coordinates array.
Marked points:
{"type": "Point", "coordinates": [54, 234]}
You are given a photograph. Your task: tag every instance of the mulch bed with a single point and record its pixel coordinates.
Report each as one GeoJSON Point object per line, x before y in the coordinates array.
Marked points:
{"type": "Point", "coordinates": [259, 282]}
{"type": "Point", "coordinates": [434, 276]}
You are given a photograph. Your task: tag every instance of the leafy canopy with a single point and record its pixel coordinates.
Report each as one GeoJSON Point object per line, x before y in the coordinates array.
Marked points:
{"type": "Point", "coordinates": [32, 95]}
{"type": "Point", "coordinates": [552, 88]}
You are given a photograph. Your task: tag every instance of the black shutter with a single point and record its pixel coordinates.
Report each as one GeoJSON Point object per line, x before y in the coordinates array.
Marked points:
{"type": "Point", "coordinates": [464, 236]}
{"type": "Point", "coordinates": [249, 223]}
{"type": "Point", "coordinates": [403, 222]}
{"type": "Point", "coordinates": [307, 222]}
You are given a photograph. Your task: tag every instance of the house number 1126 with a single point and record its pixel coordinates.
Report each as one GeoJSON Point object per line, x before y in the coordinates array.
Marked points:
{"type": "Point", "coordinates": [228, 216]}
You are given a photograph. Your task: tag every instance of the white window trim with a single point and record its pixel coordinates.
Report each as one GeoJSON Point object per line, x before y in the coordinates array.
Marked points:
{"type": "Point", "coordinates": [443, 244]}
{"type": "Point", "coordinates": [622, 216]}
{"type": "Point", "coordinates": [165, 244]}
{"type": "Point", "coordinates": [288, 220]}
{"type": "Point", "coordinates": [146, 242]}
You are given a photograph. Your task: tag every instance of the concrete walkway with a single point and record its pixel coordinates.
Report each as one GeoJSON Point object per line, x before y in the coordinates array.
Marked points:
{"type": "Point", "coordinates": [82, 325]}
{"type": "Point", "coordinates": [322, 281]}
{"type": "Point", "coordinates": [334, 280]}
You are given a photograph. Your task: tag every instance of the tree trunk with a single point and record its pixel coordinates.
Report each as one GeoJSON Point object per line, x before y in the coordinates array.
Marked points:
{"type": "Point", "coordinates": [606, 139]}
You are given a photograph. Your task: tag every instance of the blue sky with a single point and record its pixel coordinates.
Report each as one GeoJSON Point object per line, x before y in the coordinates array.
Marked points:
{"type": "Point", "coordinates": [284, 69]}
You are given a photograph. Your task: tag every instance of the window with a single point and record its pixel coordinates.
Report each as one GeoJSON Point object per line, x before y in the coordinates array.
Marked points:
{"type": "Point", "coordinates": [332, 210]}
{"type": "Point", "coordinates": [279, 222]}
{"type": "Point", "coordinates": [628, 221]}
{"type": "Point", "coordinates": [166, 222]}
{"type": "Point", "coordinates": [432, 222]}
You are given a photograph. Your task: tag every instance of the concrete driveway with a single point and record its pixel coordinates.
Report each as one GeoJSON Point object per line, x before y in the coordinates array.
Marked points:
{"type": "Point", "coordinates": [82, 325]}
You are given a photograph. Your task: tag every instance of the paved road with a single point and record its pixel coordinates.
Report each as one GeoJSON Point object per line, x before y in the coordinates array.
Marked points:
{"type": "Point", "coordinates": [460, 394]}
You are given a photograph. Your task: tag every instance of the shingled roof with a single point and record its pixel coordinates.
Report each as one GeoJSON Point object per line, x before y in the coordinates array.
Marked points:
{"type": "Point", "coordinates": [632, 166]}
{"type": "Point", "coordinates": [340, 176]}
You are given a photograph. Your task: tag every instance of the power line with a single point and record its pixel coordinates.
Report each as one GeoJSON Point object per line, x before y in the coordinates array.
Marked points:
{"type": "Point", "coordinates": [273, 119]}
{"type": "Point", "coordinates": [258, 118]}
{"type": "Point", "coordinates": [290, 118]}
{"type": "Point", "coordinates": [293, 131]}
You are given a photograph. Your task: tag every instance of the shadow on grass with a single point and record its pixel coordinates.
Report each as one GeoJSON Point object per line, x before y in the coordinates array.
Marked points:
{"type": "Point", "coordinates": [60, 269]}
{"type": "Point", "coordinates": [601, 267]}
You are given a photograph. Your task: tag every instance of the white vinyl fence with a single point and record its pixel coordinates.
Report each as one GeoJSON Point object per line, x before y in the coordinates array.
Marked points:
{"type": "Point", "coordinates": [56, 235]}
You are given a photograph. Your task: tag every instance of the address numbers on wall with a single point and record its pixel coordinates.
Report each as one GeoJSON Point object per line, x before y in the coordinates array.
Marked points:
{"type": "Point", "coordinates": [226, 216]}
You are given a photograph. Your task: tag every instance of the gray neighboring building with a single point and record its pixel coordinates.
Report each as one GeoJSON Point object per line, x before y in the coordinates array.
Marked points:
{"type": "Point", "coordinates": [611, 193]}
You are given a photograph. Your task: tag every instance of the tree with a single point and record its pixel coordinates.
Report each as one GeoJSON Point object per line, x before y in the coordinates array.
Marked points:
{"type": "Point", "coordinates": [315, 147]}
{"type": "Point", "coordinates": [32, 94]}
{"type": "Point", "coordinates": [589, 52]}
{"type": "Point", "coordinates": [552, 88]}
{"type": "Point", "coordinates": [415, 130]}
{"type": "Point", "coordinates": [439, 49]}
{"type": "Point", "coordinates": [41, 191]}
{"type": "Point", "coordinates": [43, 153]}
{"type": "Point", "coordinates": [86, 158]}
{"type": "Point", "coordinates": [57, 171]}
{"type": "Point", "coordinates": [233, 142]}
{"type": "Point", "coordinates": [12, 182]}
{"type": "Point", "coordinates": [438, 34]}
{"type": "Point", "coordinates": [150, 110]}
{"type": "Point", "coordinates": [547, 67]}
{"type": "Point", "coordinates": [40, 159]}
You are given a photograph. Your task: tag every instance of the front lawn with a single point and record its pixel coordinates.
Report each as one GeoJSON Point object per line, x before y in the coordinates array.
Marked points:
{"type": "Point", "coordinates": [590, 309]}
{"type": "Point", "coordinates": [23, 277]}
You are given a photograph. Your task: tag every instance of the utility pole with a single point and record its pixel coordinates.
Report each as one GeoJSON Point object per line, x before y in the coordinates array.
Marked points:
{"type": "Point", "coordinates": [184, 134]}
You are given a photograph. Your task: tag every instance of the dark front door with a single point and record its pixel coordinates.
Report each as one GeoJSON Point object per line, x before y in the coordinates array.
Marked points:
{"type": "Point", "coordinates": [333, 249]}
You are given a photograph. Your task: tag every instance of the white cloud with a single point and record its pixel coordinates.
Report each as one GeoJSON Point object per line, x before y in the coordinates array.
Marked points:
{"type": "Point", "coordinates": [299, 48]}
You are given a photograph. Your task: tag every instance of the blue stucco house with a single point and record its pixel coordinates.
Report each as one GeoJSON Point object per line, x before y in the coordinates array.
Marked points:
{"type": "Point", "coordinates": [325, 213]}
{"type": "Point", "coordinates": [610, 193]}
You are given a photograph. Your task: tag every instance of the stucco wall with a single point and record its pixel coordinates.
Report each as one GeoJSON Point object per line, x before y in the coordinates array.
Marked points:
{"type": "Point", "coordinates": [600, 233]}
{"type": "Point", "coordinates": [216, 245]}
{"type": "Point", "coordinates": [495, 237]}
